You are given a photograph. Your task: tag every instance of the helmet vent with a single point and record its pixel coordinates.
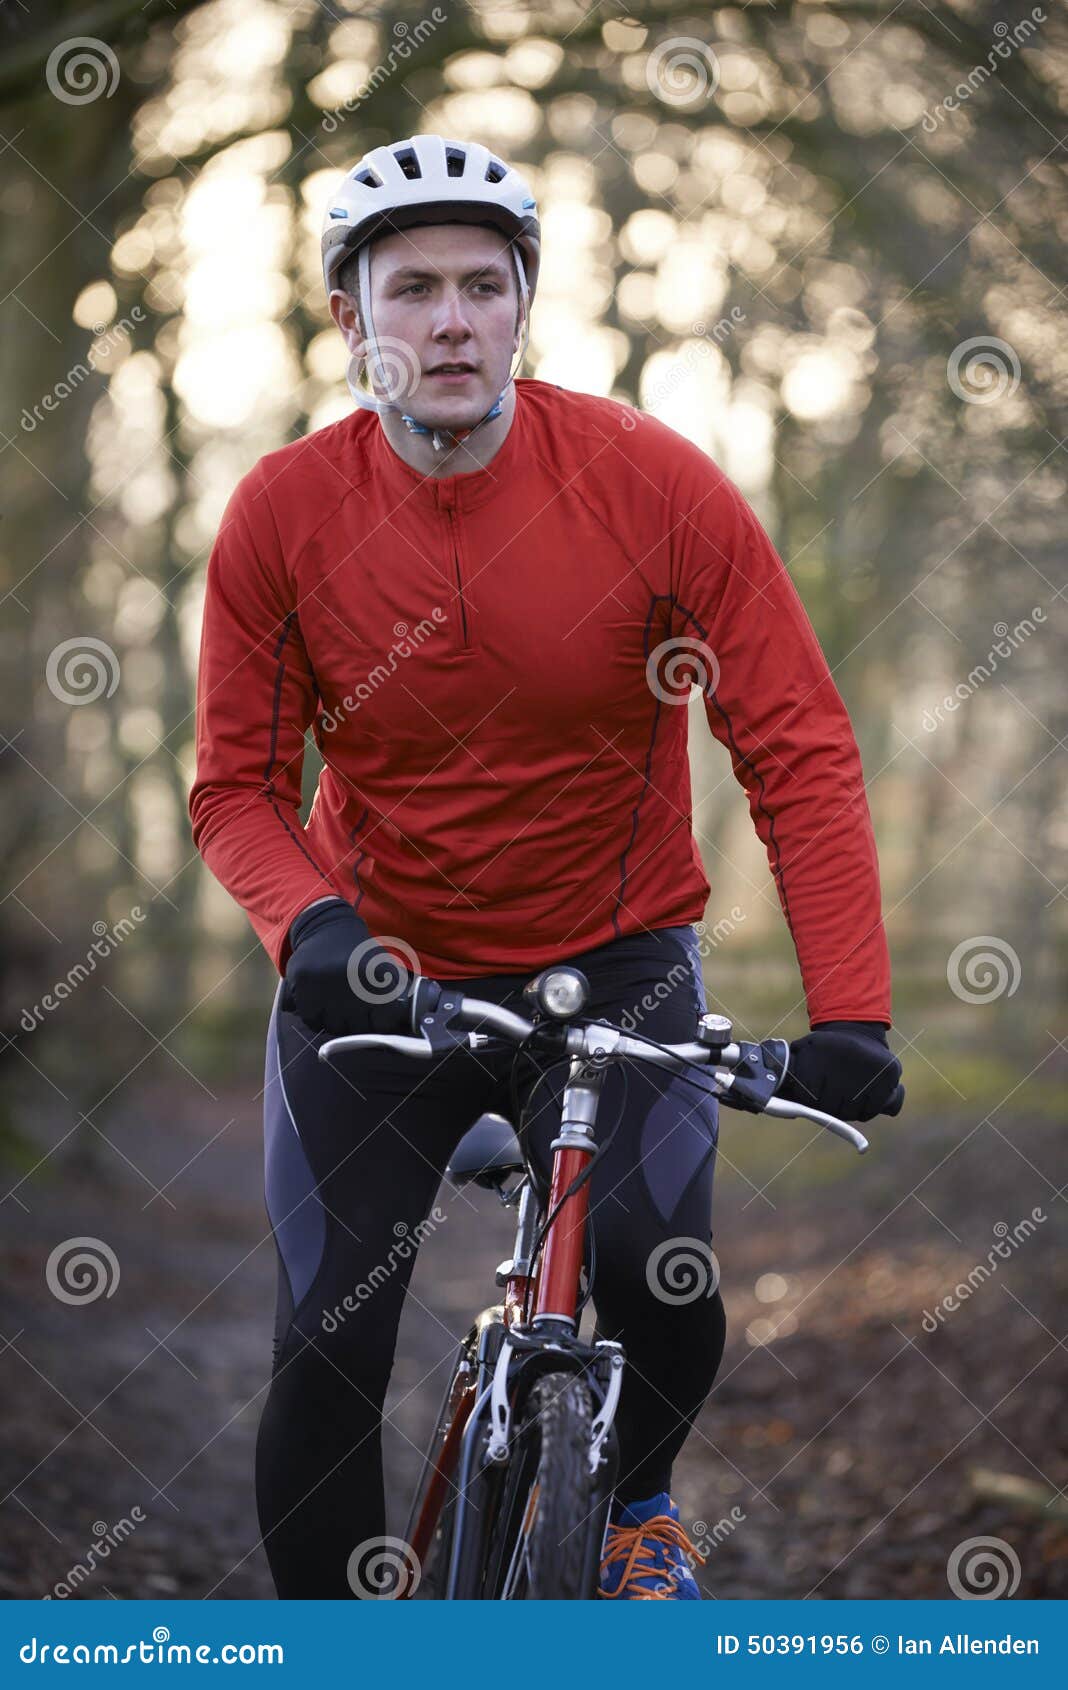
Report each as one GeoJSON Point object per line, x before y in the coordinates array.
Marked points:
{"type": "Point", "coordinates": [368, 177]}
{"type": "Point", "coordinates": [496, 171]}
{"type": "Point", "coordinates": [409, 164]}
{"type": "Point", "coordinates": [455, 159]}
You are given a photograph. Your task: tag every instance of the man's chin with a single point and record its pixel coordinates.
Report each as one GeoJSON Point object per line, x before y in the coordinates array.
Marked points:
{"type": "Point", "coordinates": [450, 416]}
{"type": "Point", "coordinates": [460, 412]}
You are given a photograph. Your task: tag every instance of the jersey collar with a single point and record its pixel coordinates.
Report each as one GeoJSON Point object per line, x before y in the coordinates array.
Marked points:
{"type": "Point", "coordinates": [452, 492]}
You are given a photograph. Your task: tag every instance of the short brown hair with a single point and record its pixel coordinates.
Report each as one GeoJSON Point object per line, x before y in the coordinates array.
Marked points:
{"type": "Point", "coordinates": [348, 275]}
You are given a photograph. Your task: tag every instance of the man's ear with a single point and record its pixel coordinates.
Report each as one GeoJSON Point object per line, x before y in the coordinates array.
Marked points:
{"type": "Point", "coordinates": [354, 302]}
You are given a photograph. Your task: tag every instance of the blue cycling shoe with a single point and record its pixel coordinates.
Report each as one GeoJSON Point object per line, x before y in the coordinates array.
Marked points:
{"type": "Point", "coordinates": [645, 1553]}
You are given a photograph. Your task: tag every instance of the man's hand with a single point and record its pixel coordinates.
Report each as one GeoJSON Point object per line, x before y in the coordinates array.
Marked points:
{"type": "Point", "coordinates": [338, 980]}
{"type": "Point", "coordinates": [845, 1068]}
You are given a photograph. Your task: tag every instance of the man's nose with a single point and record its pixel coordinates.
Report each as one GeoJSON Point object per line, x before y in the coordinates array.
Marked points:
{"type": "Point", "coordinates": [451, 316]}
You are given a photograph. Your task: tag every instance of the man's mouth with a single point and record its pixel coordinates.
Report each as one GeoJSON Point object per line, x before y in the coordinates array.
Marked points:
{"type": "Point", "coordinates": [457, 372]}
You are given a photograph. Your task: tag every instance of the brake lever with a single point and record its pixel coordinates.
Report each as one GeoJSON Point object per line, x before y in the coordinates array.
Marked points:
{"type": "Point", "coordinates": [801, 1112]}
{"type": "Point", "coordinates": [399, 1042]}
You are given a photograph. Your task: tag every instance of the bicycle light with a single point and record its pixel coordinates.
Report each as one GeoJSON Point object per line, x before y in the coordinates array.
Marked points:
{"type": "Point", "coordinates": [561, 992]}
{"type": "Point", "coordinates": [715, 1031]}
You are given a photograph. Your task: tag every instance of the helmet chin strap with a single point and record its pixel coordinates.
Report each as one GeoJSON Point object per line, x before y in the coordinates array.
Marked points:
{"type": "Point", "coordinates": [443, 438]}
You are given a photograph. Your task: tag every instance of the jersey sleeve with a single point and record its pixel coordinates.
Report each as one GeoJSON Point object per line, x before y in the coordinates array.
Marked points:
{"type": "Point", "coordinates": [771, 701]}
{"type": "Point", "coordinates": [256, 696]}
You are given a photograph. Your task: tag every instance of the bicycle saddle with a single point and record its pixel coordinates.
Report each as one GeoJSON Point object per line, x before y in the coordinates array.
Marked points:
{"type": "Point", "coordinates": [488, 1152]}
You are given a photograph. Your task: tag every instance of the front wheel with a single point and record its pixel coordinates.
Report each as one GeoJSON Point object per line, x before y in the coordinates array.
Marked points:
{"type": "Point", "coordinates": [546, 1539]}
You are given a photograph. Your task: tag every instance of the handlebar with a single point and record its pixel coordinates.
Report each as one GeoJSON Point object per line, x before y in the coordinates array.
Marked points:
{"type": "Point", "coordinates": [598, 1042]}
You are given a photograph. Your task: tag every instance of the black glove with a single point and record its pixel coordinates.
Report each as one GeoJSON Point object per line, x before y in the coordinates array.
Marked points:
{"type": "Point", "coordinates": [845, 1068]}
{"type": "Point", "coordinates": [338, 980]}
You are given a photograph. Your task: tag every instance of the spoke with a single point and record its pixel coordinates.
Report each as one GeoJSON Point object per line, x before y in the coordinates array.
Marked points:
{"type": "Point", "coordinates": [521, 1552]}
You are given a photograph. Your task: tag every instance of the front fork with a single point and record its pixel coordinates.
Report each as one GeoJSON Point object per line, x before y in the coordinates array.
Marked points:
{"type": "Point", "coordinates": [554, 1323]}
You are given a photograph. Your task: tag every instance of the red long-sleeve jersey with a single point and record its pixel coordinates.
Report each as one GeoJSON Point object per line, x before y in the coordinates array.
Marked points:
{"type": "Point", "coordinates": [494, 666]}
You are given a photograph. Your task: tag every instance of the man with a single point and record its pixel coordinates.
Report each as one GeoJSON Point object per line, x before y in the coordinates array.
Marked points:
{"type": "Point", "coordinates": [488, 604]}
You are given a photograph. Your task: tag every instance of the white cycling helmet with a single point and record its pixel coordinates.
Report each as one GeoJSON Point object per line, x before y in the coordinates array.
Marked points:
{"type": "Point", "coordinates": [427, 179]}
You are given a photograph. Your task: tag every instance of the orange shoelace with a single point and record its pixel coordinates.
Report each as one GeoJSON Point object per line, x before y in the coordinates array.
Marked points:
{"type": "Point", "coordinates": [637, 1544]}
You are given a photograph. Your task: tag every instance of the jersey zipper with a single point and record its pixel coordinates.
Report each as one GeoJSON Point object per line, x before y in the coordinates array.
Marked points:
{"type": "Point", "coordinates": [455, 547]}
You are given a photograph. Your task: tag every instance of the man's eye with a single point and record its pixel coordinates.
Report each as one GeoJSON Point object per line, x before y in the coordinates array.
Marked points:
{"type": "Point", "coordinates": [413, 285]}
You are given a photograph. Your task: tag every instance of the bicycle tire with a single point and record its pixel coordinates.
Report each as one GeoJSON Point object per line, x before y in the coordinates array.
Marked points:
{"type": "Point", "coordinates": [548, 1525]}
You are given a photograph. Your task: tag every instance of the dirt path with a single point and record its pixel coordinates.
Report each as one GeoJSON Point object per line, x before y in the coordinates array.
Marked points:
{"type": "Point", "coordinates": [846, 1443]}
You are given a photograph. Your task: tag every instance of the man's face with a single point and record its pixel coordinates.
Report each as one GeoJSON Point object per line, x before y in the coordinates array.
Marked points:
{"type": "Point", "coordinates": [448, 292]}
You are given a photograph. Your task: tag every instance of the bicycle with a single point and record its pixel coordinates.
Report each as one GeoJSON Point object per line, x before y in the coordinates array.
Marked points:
{"type": "Point", "coordinates": [513, 1499]}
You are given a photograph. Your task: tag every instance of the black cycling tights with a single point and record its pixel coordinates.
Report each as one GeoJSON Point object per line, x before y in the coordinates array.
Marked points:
{"type": "Point", "coordinates": [355, 1151]}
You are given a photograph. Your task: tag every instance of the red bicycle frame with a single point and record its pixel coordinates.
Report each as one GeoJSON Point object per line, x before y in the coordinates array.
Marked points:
{"type": "Point", "coordinates": [561, 1261]}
